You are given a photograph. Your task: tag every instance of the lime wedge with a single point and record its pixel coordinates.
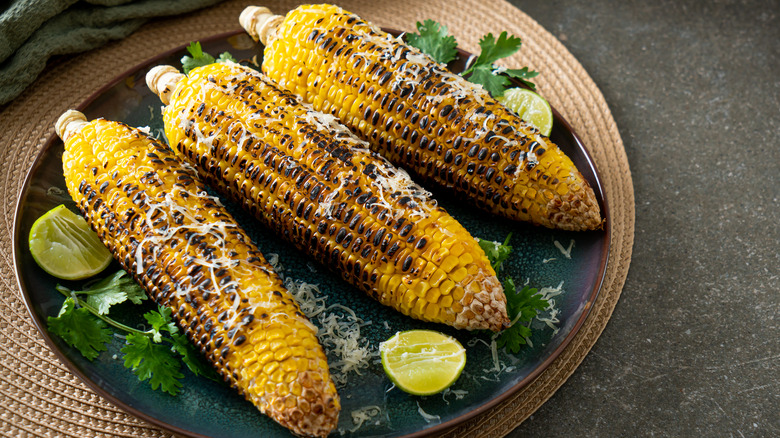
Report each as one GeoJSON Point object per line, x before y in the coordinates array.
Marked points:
{"type": "Point", "coordinates": [422, 362]}
{"type": "Point", "coordinates": [63, 245]}
{"type": "Point", "coordinates": [531, 107]}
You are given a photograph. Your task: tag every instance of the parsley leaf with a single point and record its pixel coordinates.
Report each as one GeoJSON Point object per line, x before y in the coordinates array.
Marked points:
{"type": "Point", "coordinates": [496, 252]}
{"type": "Point", "coordinates": [522, 307]}
{"type": "Point", "coordinates": [434, 41]}
{"type": "Point", "coordinates": [114, 289]}
{"type": "Point", "coordinates": [156, 362]}
{"type": "Point", "coordinates": [80, 329]}
{"type": "Point", "coordinates": [488, 75]}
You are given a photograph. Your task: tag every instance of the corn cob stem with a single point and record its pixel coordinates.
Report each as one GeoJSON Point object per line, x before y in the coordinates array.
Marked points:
{"type": "Point", "coordinates": [311, 180]}
{"type": "Point", "coordinates": [262, 22]}
{"type": "Point", "coordinates": [189, 254]}
{"type": "Point", "coordinates": [421, 116]}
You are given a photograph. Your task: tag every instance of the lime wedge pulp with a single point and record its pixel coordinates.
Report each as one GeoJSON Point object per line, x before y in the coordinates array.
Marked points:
{"type": "Point", "coordinates": [63, 245]}
{"type": "Point", "coordinates": [531, 107]}
{"type": "Point", "coordinates": [422, 362]}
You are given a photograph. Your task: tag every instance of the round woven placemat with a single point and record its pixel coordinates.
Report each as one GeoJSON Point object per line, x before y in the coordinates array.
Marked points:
{"type": "Point", "coordinates": [39, 397]}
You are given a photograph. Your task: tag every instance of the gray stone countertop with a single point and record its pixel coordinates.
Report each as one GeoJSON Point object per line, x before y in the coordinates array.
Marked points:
{"type": "Point", "coordinates": [693, 347]}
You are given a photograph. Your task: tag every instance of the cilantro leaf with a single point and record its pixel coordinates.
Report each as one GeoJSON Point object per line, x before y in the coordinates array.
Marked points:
{"type": "Point", "coordinates": [156, 362]}
{"type": "Point", "coordinates": [485, 75]}
{"type": "Point", "coordinates": [434, 41]}
{"type": "Point", "coordinates": [513, 338]}
{"type": "Point", "coordinates": [492, 50]}
{"type": "Point", "coordinates": [496, 252]}
{"type": "Point", "coordinates": [488, 75]}
{"type": "Point", "coordinates": [198, 58]}
{"type": "Point", "coordinates": [161, 321]}
{"type": "Point", "coordinates": [114, 289]}
{"type": "Point", "coordinates": [522, 307]}
{"type": "Point", "coordinates": [523, 74]}
{"type": "Point", "coordinates": [80, 329]}
{"type": "Point", "coordinates": [226, 56]}
{"type": "Point", "coordinates": [184, 347]}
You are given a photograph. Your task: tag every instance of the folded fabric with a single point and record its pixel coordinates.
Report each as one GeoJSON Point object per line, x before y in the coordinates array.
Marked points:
{"type": "Point", "coordinates": [32, 31]}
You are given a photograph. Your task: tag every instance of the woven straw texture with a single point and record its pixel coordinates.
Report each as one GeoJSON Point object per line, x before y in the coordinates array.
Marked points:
{"type": "Point", "coordinates": [39, 397]}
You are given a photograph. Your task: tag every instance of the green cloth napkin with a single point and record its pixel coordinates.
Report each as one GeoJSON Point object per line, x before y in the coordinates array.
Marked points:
{"type": "Point", "coordinates": [32, 31]}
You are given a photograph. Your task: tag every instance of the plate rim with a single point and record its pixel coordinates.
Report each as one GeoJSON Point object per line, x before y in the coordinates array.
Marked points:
{"type": "Point", "coordinates": [449, 424]}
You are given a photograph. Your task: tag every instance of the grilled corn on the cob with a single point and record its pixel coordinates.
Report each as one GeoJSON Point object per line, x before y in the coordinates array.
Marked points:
{"type": "Point", "coordinates": [421, 116]}
{"type": "Point", "coordinates": [190, 255]}
{"type": "Point", "coordinates": [307, 177]}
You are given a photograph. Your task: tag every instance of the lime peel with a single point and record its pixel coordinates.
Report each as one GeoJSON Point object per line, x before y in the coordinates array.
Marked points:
{"type": "Point", "coordinates": [530, 107]}
{"type": "Point", "coordinates": [62, 244]}
{"type": "Point", "coordinates": [422, 362]}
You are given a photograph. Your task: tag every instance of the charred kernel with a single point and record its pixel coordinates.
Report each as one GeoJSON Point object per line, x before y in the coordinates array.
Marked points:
{"type": "Point", "coordinates": [495, 156]}
{"type": "Point", "coordinates": [482, 153]}
{"type": "Point", "coordinates": [473, 151]}
{"type": "Point", "coordinates": [445, 111]}
{"type": "Point", "coordinates": [448, 156]}
{"type": "Point", "coordinates": [421, 243]}
{"type": "Point", "coordinates": [393, 249]}
{"type": "Point", "coordinates": [341, 235]}
{"type": "Point", "coordinates": [407, 264]}
{"type": "Point", "coordinates": [458, 142]}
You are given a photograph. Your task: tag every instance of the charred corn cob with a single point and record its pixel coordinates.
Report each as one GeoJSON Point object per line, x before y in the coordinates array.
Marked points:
{"type": "Point", "coordinates": [421, 116]}
{"type": "Point", "coordinates": [307, 177]}
{"type": "Point", "coordinates": [189, 254]}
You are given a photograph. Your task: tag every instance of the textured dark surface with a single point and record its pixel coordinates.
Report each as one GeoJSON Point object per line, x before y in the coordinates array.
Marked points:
{"type": "Point", "coordinates": [693, 347]}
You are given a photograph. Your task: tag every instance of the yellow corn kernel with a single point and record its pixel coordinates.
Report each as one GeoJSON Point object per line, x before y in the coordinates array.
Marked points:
{"type": "Point", "coordinates": [433, 120]}
{"type": "Point", "coordinates": [355, 213]}
{"type": "Point", "coordinates": [122, 180]}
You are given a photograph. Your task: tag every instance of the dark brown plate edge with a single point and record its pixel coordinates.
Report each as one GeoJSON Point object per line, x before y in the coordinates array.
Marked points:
{"type": "Point", "coordinates": [145, 65]}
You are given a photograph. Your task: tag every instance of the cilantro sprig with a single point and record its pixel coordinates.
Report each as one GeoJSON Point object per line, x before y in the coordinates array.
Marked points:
{"type": "Point", "coordinates": [484, 71]}
{"type": "Point", "coordinates": [155, 354]}
{"type": "Point", "coordinates": [434, 41]}
{"type": "Point", "coordinates": [521, 306]}
{"type": "Point", "coordinates": [199, 58]}
{"type": "Point", "coordinates": [496, 252]}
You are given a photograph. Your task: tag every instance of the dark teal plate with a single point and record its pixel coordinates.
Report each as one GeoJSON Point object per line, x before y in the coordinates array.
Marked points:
{"type": "Point", "coordinates": [211, 409]}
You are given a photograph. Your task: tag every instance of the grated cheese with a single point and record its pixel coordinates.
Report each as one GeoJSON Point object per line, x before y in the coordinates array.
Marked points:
{"type": "Point", "coordinates": [426, 416]}
{"type": "Point", "coordinates": [361, 415]}
{"type": "Point", "coordinates": [567, 251]}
